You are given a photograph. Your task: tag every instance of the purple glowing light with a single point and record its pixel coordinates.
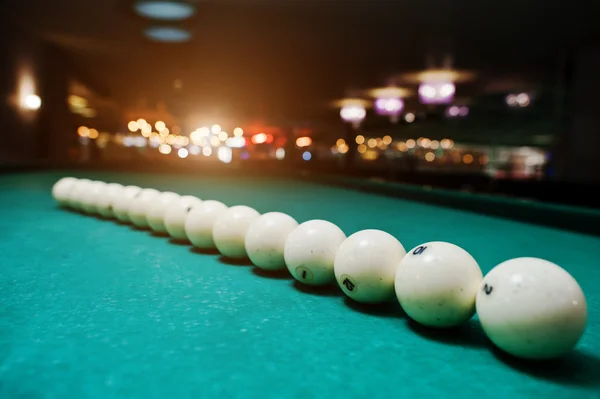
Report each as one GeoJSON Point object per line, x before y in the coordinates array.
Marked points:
{"type": "Point", "coordinates": [436, 92]}
{"type": "Point", "coordinates": [389, 106]}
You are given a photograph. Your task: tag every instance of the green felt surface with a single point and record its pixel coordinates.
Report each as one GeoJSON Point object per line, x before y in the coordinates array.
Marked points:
{"type": "Point", "coordinates": [91, 308]}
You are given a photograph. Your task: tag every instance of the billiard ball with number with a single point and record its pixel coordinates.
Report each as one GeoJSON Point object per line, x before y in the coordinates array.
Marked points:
{"type": "Point", "coordinates": [229, 231]}
{"type": "Point", "coordinates": [532, 308]}
{"type": "Point", "coordinates": [365, 265]}
{"type": "Point", "coordinates": [266, 237]}
{"type": "Point", "coordinates": [60, 190]}
{"type": "Point", "coordinates": [177, 213]}
{"type": "Point", "coordinates": [436, 284]}
{"type": "Point", "coordinates": [310, 250]}
{"type": "Point", "coordinates": [200, 221]}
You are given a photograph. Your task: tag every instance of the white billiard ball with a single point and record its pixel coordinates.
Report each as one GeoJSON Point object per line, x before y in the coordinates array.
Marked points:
{"type": "Point", "coordinates": [139, 206]}
{"type": "Point", "coordinates": [266, 237]}
{"type": "Point", "coordinates": [437, 283]}
{"type": "Point", "coordinates": [105, 199]}
{"type": "Point", "coordinates": [365, 265]}
{"type": "Point", "coordinates": [87, 200]}
{"type": "Point", "coordinates": [229, 231]}
{"type": "Point", "coordinates": [176, 215]}
{"type": "Point", "coordinates": [121, 203]}
{"type": "Point", "coordinates": [77, 191]}
{"type": "Point", "coordinates": [155, 214]}
{"type": "Point", "coordinates": [532, 308]}
{"type": "Point", "coordinates": [60, 190]}
{"type": "Point", "coordinates": [200, 221]}
{"type": "Point", "coordinates": [310, 251]}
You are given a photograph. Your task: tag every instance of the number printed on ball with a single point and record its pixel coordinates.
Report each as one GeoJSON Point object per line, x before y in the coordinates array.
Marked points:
{"type": "Point", "coordinates": [349, 284]}
{"type": "Point", "coordinates": [304, 274]}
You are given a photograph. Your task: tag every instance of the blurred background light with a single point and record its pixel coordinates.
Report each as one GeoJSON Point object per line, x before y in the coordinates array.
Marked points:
{"type": "Point", "coordinates": [235, 142]}
{"type": "Point", "coordinates": [182, 153]}
{"type": "Point", "coordinates": [280, 154]}
{"type": "Point", "coordinates": [238, 132]}
{"type": "Point", "coordinates": [32, 102]}
{"type": "Point", "coordinates": [168, 10]}
{"type": "Point", "coordinates": [306, 155]}
{"type": "Point", "coordinates": [303, 142]}
{"type": "Point", "coordinates": [225, 154]}
{"type": "Point", "coordinates": [436, 92]}
{"type": "Point", "coordinates": [167, 34]}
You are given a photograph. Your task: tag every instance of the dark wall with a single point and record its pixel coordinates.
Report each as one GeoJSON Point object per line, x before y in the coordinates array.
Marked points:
{"type": "Point", "coordinates": [578, 149]}
{"type": "Point", "coordinates": [34, 135]}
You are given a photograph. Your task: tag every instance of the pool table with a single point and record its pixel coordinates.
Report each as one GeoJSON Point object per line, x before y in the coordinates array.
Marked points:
{"type": "Point", "coordinates": [91, 308]}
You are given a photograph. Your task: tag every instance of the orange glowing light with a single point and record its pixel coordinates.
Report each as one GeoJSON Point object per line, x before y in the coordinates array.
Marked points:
{"type": "Point", "coordinates": [303, 141]}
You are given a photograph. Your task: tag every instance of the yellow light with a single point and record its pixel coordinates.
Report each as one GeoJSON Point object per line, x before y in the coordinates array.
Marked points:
{"type": "Point", "coordinates": [141, 123]}
{"type": "Point", "coordinates": [387, 140]}
{"type": "Point", "coordinates": [215, 129]}
{"type": "Point", "coordinates": [164, 133]}
{"type": "Point", "coordinates": [467, 158]}
{"type": "Point", "coordinates": [164, 149]}
{"type": "Point", "coordinates": [195, 137]}
{"type": "Point", "coordinates": [214, 141]}
{"type": "Point", "coordinates": [93, 134]}
{"type": "Point", "coordinates": [154, 136]}
{"type": "Point", "coordinates": [223, 136]}
{"type": "Point", "coordinates": [409, 117]}
{"type": "Point", "coordinates": [429, 157]}
{"type": "Point", "coordinates": [160, 125]}
{"type": "Point", "coordinates": [147, 129]}
{"type": "Point", "coordinates": [402, 146]}
{"type": "Point", "coordinates": [360, 139]}
{"type": "Point", "coordinates": [83, 131]}
{"type": "Point", "coordinates": [182, 153]}
{"type": "Point", "coordinates": [340, 142]}
{"type": "Point", "coordinates": [434, 145]}
{"type": "Point", "coordinates": [370, 155]}
{"type": "Point", "coordinates": [171, 139]}
{"type": "Point", "coordinates": [132, 126]}
{"type": "Point", "coordinates": [410, 143]}
{"type": "Point", "coordinates": [238, 132]}
{"type": "Point", "coordinates": [362, 148]}
{"type": "Point", "coordinates": [146, 133]}
{"type": "Point", "coordinates": [343, 148]}
{"type": "Point", "coordinates": [372, 143]}
{"type": "Point", "coordinates": [77, 102]}
{"type": "Point", "coordinates": [303, 141]}
{"type": "Point", "coordinates": [204, 131]}
{"type": "Point", "coordinates": [167, 131]}
{"type": "Point", "coordinates": [207, 151]}
{"type": "Point", "coordinates": [425, 143]}
{"type": "Point", "coordinates": [381, 145]}
{"type": "Point", "coordinates": [445, 143]}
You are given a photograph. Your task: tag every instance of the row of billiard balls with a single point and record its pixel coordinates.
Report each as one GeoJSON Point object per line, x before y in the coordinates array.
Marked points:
{"type": "Point", "coordinates": [528, 307]}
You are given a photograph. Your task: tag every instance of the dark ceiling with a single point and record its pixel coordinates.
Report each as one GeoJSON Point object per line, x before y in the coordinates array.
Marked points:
{"type": "Point", "coordinates": [293, 56]}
